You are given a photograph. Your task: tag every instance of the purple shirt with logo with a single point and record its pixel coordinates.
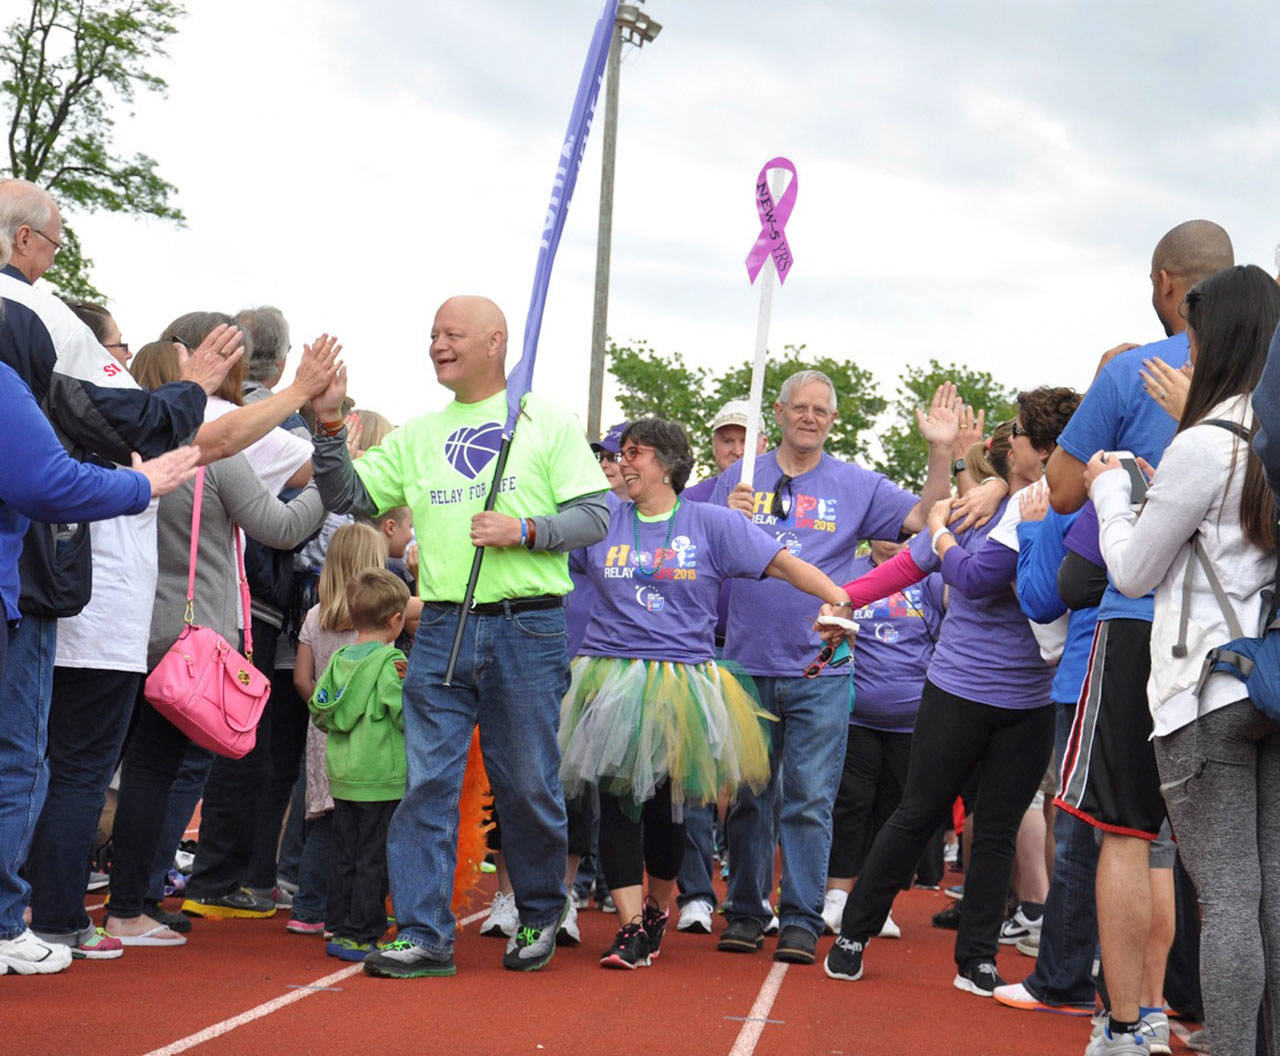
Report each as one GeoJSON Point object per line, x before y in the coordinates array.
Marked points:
{"type": "Point", "coordinates": [830, 510]}
{"type": "Point", "coordinates": [986, 651]}
{"type": "Point", "coordinates": [668, 613]}
{"type": "Point", "coordinates": [891, 652]}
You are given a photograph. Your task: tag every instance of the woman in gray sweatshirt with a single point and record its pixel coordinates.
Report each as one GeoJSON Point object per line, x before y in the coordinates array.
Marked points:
{"type": "Point", "coordinates": [234, 495]}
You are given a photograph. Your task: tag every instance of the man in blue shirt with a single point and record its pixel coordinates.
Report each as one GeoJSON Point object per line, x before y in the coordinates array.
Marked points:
{"type": "Point", "coordinates": [1109, 774]}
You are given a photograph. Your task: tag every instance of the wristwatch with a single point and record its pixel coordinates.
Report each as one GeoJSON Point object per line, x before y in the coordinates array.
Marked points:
{"type": "Point", "coordinates": [958, 467]}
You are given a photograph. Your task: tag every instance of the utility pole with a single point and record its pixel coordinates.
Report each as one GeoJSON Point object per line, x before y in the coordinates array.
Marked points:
{"type": "Point", "coordinates": [632, 26]}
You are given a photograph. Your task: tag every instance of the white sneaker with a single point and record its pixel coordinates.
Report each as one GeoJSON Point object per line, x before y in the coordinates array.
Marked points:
{"type": "Point", "coordinates": [890, 929]}
{"type": "Point", "coordinates": [695, 917]}
{"type": "Point", "coordinates": [26, 954]}
{"type": "Point", "coordinates": [1019, 926]}
{"type": "Point", "coordinates": [568, 934]}
{"type": "Point", "coordinates": [833, 909]}
{"type": "Point", "coordinates": [772, 927]}
{"type": "Point", "coordinates": [503, 919]}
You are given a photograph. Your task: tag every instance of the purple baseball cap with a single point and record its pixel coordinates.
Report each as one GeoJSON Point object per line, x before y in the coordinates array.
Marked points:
{"type": "Point", "coordinates": [612, 440]}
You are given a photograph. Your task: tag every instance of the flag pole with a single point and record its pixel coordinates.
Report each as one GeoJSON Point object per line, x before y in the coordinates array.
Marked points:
{"type": "Point", "coordinates": [771, 253]}
{"type": "Point", "coordinates": [518, 382]}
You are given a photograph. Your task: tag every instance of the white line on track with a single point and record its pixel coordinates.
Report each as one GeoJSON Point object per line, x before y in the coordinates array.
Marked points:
{"type": "Point", "coordinates": [751, 1030]}
{"type": "Point", "coordinates": [274, 1005]}
{"type": "Point", "coordinates": [265, 1009]}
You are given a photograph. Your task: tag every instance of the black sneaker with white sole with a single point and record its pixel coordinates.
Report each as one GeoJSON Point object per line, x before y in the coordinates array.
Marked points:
{"type": "Point", "coordinates": [844, 960]}
{"type": "Point", "coordinates": [979, 977]}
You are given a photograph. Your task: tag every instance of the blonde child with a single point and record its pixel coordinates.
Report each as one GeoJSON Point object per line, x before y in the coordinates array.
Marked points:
{"type": "Point", "coordinates": [326, 628]}
{"type": "Point", "coordinates": [358, 702]}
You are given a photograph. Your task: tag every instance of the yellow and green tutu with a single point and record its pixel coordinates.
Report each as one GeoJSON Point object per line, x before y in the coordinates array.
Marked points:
{"type": "Point", "coordinates": [629, 725]}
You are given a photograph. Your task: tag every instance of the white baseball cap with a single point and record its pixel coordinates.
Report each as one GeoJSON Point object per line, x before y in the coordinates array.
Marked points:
{"type": "Point", "coordinates": [735, 412]}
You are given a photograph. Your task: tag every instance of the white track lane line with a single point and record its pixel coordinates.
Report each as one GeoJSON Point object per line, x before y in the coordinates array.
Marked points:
{"type": "Point", "coordinates": [274, 1005]}
{"type": "Point", "coordinates": [751, 1030]}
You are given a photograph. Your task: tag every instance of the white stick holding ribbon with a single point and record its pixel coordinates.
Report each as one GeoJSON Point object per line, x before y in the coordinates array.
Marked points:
{"type": "Point", "coordinates": [772, 253]}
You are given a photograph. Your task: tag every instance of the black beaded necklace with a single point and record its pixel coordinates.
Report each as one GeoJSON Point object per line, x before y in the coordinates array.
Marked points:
{"type": "Point", "coordinates": [635, 535]}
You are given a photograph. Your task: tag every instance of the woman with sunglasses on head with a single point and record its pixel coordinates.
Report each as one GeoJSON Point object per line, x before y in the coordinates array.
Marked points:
{"type": "Point", "coordinates": [1209, 517]}
{"type": "Point", "coordinates": [985, 708]}
{"type": "Point", "coordinates": [651, 716]}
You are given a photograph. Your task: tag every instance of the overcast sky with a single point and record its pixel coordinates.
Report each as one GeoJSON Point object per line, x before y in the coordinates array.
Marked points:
{"type": "Point", "coordinates": [979, 182]}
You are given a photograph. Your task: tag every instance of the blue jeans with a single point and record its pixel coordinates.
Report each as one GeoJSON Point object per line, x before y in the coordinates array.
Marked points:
{"type": "Point", "coordinates": [694, 878]}
{"type": "Point", "coordinates": [179, 807]}
{"type": "Point", "coordinates": [809, 748]}
{"type": "Point", "coordinates": [511, 675]}
{"type": "Point", "coordinates": [311, 903]}
{"type": "Point", "coordinates": [25, 693]}
{"type": "Point", "coordinates": [1069, 935]}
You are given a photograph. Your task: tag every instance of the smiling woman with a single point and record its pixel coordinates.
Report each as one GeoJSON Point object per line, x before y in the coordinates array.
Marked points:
{"type": "Point", "coordinates": [652, 717]}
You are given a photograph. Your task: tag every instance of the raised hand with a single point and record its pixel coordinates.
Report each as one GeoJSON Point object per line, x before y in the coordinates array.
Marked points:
{"type": "Point", "coordinates": [941, 425]}
{"type": "Point", "coordinates": [168, 471]}
{"type": "Point", "coordinates": [318, 365]}
{"type": "Point", "coordinates": [972, 430]}
{"type": "Point", "coordinates": [209, 364]}
{"type": "Point", "coordinates": [1168, 387]}
{"type": "Point", "coordinates": [328, 403]}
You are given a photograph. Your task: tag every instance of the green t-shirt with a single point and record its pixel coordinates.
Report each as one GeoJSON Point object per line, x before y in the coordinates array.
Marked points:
{"type": "Point", "coordinates": [441, 465]}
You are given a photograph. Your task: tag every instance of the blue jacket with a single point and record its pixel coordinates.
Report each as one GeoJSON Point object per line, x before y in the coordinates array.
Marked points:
{"type": "Point", "coordinates": [1040, 551]}
{"type": "Point", "coordinates": [40, 481]}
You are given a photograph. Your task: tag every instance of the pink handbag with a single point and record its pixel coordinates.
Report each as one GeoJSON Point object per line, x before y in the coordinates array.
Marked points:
{"type": "Point", "coordinates": [202, 685]}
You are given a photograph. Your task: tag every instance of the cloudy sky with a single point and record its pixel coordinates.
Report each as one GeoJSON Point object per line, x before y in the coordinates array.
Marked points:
{"type": "Point", "coordinates": [979, 182]}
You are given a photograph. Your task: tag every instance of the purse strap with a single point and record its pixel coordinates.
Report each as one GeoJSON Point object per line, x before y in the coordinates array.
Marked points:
{"type": "Point", "coordinates": [188, 617]}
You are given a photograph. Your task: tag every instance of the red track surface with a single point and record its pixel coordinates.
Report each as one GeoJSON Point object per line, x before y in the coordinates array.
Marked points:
{"type": "Point", "coordinates": [693, 1000]}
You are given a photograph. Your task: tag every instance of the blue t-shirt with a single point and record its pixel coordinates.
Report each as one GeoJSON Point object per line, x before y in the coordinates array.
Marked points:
{"type": "Point", "coordinates": [832, 508]}
{"type": "Point", "coordinates": [658, 602]}
{"type": "Point", "coordinates": [891, 652]}
{"type": "Point", "coordinates": [1116, 414]}
{"type": "Point", "coordinates": [986, 651]}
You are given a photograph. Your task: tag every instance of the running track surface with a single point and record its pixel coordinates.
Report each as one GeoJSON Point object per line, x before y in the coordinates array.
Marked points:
{"type": "Point", "coordinates": [249, 988]}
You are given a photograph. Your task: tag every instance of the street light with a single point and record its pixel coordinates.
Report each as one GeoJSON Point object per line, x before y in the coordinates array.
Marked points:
{"type": "Point", "coordinates": [634, 26]}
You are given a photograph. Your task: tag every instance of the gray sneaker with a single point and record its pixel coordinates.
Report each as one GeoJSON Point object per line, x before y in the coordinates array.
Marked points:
{"type": "Point", "coordinates": [1159, 1024]}
{"type": "Point", "coordinates": [531, 948]}
{"type": "Point", "coordinates": [403, 960]}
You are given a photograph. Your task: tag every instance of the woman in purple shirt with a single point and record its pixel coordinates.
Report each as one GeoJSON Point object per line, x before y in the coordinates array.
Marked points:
{"type": "Point", "coordinates": [651, 717]}
{"type": "Point", "coordinates": [985, 708]}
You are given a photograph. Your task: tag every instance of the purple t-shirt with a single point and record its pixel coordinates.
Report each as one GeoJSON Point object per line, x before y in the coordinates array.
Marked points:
{"type": "Point", "coordinates": [1082, 536]}
{"type": "Point", "coordinates": [700, 492]}
{"type": "Point", "coordinates": [986, 651]}
{"type": "Point", "coordinates": [833, 507]}
{"type": "Point", "coordinates": [891, 652]}
{"type": "Point", "coordinates": [670, 613]}
{"type": "Point", "coordinates": [579, 602]}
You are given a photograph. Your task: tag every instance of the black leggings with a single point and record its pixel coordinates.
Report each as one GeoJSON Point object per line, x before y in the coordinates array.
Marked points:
{"type": "Point", "coordinates": [628, 848]}
{"type": "Point", "coordinates": [953, 738]}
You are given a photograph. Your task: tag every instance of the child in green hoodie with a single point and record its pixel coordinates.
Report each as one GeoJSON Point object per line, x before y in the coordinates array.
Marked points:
{"type": "Point", "coordinates": [357, 703]}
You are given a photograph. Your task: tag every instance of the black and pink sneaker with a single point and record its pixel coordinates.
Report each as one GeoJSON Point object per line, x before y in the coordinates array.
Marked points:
{"type": "Point", "coordinates": [655, 925]}
{"type": "Point", "coordinates": [630, 949]}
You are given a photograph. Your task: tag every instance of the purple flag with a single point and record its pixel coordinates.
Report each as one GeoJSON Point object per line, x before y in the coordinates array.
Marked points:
{"type": "Point", "coordinates": [575, 144]}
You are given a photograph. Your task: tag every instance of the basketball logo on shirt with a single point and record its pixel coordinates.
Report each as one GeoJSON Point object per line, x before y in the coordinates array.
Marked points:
{"type": "Point", "coordinates": [472, 447]}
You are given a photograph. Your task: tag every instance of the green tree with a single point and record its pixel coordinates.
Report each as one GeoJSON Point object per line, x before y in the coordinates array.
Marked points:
{"type": "Point", "coordinates": [651, 383]}
{"type": "Point", "coordinates": [905, 454]}
{"type": "Point", "coordinates": [64, 65]}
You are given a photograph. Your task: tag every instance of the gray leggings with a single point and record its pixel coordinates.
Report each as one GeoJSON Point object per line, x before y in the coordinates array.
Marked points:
{"type": "Point", "coordinates": [1221, 781]}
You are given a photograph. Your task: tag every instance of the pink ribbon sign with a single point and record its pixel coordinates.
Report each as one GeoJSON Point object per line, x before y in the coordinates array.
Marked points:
{"type": "Point", "coordinates": [772, 240]}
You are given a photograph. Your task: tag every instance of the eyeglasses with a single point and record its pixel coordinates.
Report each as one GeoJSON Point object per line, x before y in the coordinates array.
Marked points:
{"type": "Point", "coordinates": [781, 505]}
{"type": "Point", "coordinates": [802, 410]}
{"type": "Point", "coordinates": [603, 456]}
{"type": "Point", "coordinates": [632, 451]}
{"type": "Point", "coordinates": [57, 246]}
{"type": "Point", "coordinates": [1018, 429]}
{"type": "Point", "coordinates": [122, 345]}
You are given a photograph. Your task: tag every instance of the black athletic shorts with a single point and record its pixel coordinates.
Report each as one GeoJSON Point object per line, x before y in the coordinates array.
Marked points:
{"type": "Point", "coordinates": [1109, 775]}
